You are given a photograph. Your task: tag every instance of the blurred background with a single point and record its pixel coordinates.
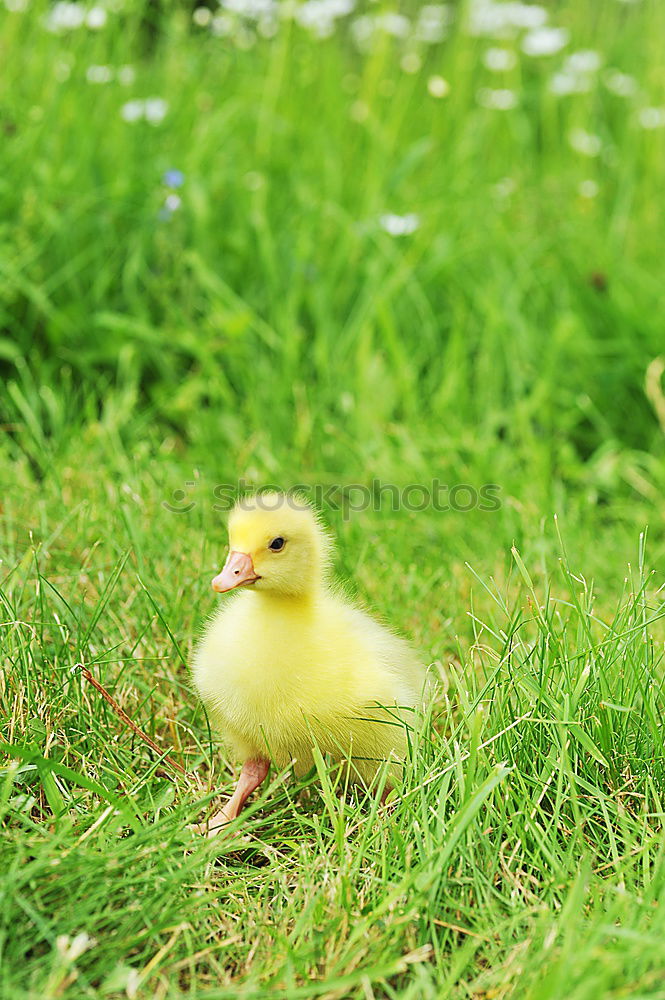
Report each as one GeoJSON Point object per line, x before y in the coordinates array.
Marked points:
{"type": "Point", "coordinates": [325, 242]}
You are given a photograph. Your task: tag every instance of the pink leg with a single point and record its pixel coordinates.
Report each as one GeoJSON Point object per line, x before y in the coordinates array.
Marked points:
{"type": "Point", "coordinates": [252, 774]}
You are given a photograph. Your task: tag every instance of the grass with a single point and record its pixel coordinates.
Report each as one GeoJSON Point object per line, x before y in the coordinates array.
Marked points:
{"type": "Point", "coordinates": [270, 329]}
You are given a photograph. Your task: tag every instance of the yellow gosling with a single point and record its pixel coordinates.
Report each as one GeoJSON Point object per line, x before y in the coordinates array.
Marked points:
{"type": "Point", "coordinates": [289, 662]}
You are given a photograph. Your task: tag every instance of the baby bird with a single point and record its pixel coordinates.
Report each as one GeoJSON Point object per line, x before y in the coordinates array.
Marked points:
{"type": "Point", "coordinates": [289, 662]}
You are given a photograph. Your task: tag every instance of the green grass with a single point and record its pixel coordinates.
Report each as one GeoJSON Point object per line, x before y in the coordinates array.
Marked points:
{"type": "Point", "coordinates": [271, 330]}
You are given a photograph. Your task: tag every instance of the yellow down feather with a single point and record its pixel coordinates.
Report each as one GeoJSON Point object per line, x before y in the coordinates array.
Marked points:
{"type": "Point", "coordinates": [289, 662]}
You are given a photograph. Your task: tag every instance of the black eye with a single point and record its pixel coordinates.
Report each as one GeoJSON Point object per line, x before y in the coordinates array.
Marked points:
{"type": "Point", "coordinates": [277, 544]}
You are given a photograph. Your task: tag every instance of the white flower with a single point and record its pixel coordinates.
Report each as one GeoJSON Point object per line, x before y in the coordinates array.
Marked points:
{"type": "Point", "coordinates": [437, 86]}
{"type": "Point", "coordinates": [588, 189]}
{"type": "Point", "coordinates": [95, 18]}
{"type": "Point", "coordinates": [576, 76]}
{"type": "Point", "coordinates": [584, 61]}
{"type": "Point", "coordinates": [432, 23]}
{"type": "Point", "coordinates": [620, 83]}
{"type": "Point", "coordinates": [319, 16]}
{"type": "Point", "coordinates": [502, 20]}
{"type": "Point", "coordinates": [497, 59]}
{"type": "Point", "coordinates": [155, 109]}
{"type": "Point", "coordinates": [202, 16]}
{"type": "Point", "coordinates": [399, 225]}
{"type": "Point", "coordinates": [363, 29]}
{"type": "Point", "coordinates": [222, 25]}
{"type": "Point", "coordinates": [585, 143]}
{"type": "Point", "coordinates": [251, 9]}
{"type": "Point", "coordinates": [268, 27]}
{"type": "Point", "coordinates": [487, 18]}
{"type": "Point", "coordinates": [393, 24]}
{"type": "Point", "coordinates": [72, 948]}
{"type": "Point", "coordinates": [126, 75]}
{"type": "Point", "coordinates": [652, 118]}
{"type": "Point", "coordinates": [500, 100]}
{"type": "Point", "coordinates": [132, 111]}
{"type": "Point", "coordinates": [314, 20]}
{"type": "Point", "coordinates": [569, 83]}
{"type": "Point", "coordinates": [525, 15]}
{"type": "Point", "coordinates": [544, 41]}
{"type": "Point", "coordinates": [64, 16]}
{"type": "Point", "coordinates": [172, 202]}
{"type": "Point", "coordinates": [99, 74]}
{"type": "Point", "coordinates": [339, 8]}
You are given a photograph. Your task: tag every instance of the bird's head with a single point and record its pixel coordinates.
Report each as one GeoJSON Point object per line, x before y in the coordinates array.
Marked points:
{"type": "Point", "coordinates": [276, 544]}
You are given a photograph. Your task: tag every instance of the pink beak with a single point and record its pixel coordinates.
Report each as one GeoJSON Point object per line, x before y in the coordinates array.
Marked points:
{"type": "Point", "coordinates": [238, 570]}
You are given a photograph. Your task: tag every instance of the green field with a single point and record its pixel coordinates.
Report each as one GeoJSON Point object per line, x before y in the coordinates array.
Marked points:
{"type": "Point", "coordinates": [339, 247]}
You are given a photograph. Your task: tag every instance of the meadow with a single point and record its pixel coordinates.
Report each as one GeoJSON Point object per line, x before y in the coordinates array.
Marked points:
{"type": "Point", "coordinates": [349, 247]}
